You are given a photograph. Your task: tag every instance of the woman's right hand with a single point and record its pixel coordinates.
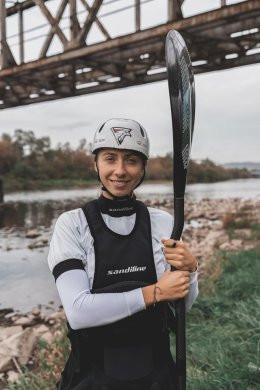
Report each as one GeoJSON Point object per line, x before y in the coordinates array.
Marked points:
{"type": "Point", "coordinates": [172, 285]}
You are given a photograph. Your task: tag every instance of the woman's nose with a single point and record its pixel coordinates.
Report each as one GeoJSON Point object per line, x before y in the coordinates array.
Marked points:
{"type": "Point", "coordinates": [120, 168]}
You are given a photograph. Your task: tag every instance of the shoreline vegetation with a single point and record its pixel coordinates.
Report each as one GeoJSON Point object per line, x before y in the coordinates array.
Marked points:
{"type": "Point", "coordinates": [30, 163]}
{"type": "Point", "coordinates": [222, 326]}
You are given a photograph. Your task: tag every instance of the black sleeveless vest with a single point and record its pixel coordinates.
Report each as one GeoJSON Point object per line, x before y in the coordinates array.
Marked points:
{"type": "Point", "coordinates": [133, 347]}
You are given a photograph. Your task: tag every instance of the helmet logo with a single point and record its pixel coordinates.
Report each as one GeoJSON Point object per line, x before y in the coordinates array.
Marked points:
{"type": "Point", "coordinates": [120, 133]}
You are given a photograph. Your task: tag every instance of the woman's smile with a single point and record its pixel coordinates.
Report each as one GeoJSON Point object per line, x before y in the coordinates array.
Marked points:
{"type": "Point", "coordinates": [120, 183]}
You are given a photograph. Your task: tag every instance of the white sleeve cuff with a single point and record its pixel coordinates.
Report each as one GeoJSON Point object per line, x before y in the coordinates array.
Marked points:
{"type": "Point", "coordinates": [135, 301]}
{"type": "Point", "coordinates": [193, 277]}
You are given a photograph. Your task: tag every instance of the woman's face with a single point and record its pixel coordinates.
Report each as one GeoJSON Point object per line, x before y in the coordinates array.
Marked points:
{"type": "Point", "coordinates": [119, 170]}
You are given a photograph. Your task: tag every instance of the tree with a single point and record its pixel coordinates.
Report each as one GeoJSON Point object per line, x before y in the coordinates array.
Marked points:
{"type": "Point", "coordinates": [9, 155]}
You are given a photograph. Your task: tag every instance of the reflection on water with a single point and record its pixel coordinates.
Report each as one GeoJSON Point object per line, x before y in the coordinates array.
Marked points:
{"type": "Point", "coordinates": [34, 214]}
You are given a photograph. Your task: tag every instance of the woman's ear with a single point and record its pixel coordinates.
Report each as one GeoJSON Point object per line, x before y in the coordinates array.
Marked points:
{"type": "Point", "coordinates": [95, 163]}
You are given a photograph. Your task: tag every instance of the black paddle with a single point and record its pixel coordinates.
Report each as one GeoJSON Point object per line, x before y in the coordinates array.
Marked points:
{"type": "Point", "coordinates": [182, 99]}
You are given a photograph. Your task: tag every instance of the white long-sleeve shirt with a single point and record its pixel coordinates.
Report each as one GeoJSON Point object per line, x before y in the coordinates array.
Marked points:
{"type": "Point", "coordinates": [72, 239]}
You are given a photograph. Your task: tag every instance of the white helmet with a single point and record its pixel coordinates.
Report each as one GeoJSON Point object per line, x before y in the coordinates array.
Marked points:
{"type": "Point", "coordinates": [121, 134]}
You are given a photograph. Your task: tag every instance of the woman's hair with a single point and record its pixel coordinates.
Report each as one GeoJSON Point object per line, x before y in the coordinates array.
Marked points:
{"type": "Point", "coordinates": [143, 158]}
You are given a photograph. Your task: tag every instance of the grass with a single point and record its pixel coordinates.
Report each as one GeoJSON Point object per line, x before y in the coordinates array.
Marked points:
{"type": "Point", "coordinates": [233, 222]}
{"type": "Point", "coordinates": [255, 234]}
{"type": "Point", "coordinates": [223, 327]}
{"type": "Point", "coordinates": [223, 331]}
{"type": "Point", "coordinates": [51, 360]}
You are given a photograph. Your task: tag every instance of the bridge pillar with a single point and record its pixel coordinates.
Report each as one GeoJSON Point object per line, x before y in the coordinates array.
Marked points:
{"type": "Point", "coordinates": [1, 191]}
{"type": "Point", "coordinates": [21, 40]}
{"type": "Point", "coordinates": [174, 10]}
{"type": "Point", "coordinates": [2, 33]}
{"type": "Point", "coordinates": [137, 15]}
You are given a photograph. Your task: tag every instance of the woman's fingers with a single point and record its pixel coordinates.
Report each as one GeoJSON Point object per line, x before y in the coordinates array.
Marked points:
{"type": "Point", "coordinates": [177, 250]}
{"type": "Point", "coordinates": [175, 263]}
{"type": "Point", "coordinates": [173, 256]}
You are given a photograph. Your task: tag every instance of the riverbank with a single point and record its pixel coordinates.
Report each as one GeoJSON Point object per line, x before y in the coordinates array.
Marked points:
{"type": "Point", "coordinates": [16, 184]}
{"type": "Point", "coordinates": [12, 185]}
{"type": "Point", "coordinates": [225, 236]}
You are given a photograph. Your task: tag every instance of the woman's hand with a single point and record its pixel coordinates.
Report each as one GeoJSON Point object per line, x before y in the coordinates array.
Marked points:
{"type": "Point", "coordinates": [171, 286]}
{"type": "Point", "coordinates": [179, 256]}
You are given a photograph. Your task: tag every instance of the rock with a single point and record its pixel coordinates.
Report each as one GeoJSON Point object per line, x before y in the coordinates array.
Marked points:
{"type": "Point", "coordinates": [28, 320]}
{"type": "Point", "coordinates": [236, 243]}
{"type": "Point", "coordinates": [6, 332]}
{"type": "Point", "coordinates": [225, 246]}
{"type": "Point", "coordinates": [38, 243]}
{"type": "Point", "coordinates": [12, 376]}
{"type": "Point", "coordinates": [5, 361]}
{"type": "Point", "coordinates": [19, 345]}
{"type": "Point", "coordinates": [33, 233]}
{"type": "Point", "coordinates": [57, 316]}
{"type": "Point", "coordinates": [248, 247]}
{"type": "Point", "coordinates": [215, 238]}
{"type": "Point", "coordinates": [9, 315]}
{"type": "Point", "coordinates": [35, 311]}
{"type": "Point", "coordinates": [48, 337]}
{"type": "Point", "coordinates": [232, 245]}
{"type": "Point", "coordinates": [14, 318]}
{"type": "Point", "coordinates": [41, 329]}
{"type": "Point", "coordinates": [58, 333]}
{"type": "Point", "coordinates": [242, 233]}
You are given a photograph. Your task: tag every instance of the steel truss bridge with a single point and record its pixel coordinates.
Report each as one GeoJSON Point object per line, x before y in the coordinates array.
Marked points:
{"type": "Point", "coordinates": [222, 38]}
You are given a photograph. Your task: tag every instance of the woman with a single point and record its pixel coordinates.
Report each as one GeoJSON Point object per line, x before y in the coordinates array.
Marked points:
{"type": "Point", "coordinates": [111, 262]}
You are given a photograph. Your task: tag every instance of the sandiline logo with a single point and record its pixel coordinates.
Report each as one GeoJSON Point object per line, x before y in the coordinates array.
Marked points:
{"type": "Point", "coordinates": [126, 270]}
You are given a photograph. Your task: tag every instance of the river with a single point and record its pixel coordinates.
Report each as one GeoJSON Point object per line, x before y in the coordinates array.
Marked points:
{"type": "Point", "coordinates": [25, 279]}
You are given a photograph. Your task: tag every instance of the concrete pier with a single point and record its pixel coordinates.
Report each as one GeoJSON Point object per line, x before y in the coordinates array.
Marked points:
{"type": "Point", "coordinates": [1, 191]}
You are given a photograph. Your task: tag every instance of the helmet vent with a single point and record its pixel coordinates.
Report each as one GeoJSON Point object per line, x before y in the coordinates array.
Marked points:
{"type": "Point", "coordinates": [101, 127]}
{"type": "Point", "coordinates": [141, 129]}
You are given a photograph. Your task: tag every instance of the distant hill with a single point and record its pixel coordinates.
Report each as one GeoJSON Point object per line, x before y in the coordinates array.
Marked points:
{"type": "Point", "coordinates": [253, 167]}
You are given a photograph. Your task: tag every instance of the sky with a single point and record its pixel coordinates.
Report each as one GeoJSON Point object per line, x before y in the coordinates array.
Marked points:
{"type": "Point", "coordinates": [227, 124]}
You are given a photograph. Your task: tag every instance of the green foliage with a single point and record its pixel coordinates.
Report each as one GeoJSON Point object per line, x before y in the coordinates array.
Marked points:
{"type": "Point", "coordinates": [26, 157]}
{"type": "Point", "coordinates": [223, 327]}
{"type": "Point", "coordinates": [255, 232]}
{"type": "Point", "coordinates": [207, 171]}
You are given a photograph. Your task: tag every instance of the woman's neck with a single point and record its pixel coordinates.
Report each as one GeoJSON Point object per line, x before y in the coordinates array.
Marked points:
{"type": "Point", "coordinates": [106, 195]}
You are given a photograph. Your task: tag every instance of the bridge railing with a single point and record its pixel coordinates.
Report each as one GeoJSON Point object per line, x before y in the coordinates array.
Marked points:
{"type": "Point", "coordinates": [61, 30]}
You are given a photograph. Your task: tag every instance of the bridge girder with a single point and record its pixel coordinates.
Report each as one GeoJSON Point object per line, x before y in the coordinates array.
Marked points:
{"type": "Point", "coordinates": [220, 39]}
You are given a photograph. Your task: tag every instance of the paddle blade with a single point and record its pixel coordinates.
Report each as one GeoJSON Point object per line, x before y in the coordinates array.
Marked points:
{"type": "Point", "coordinates": [182, 100]}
